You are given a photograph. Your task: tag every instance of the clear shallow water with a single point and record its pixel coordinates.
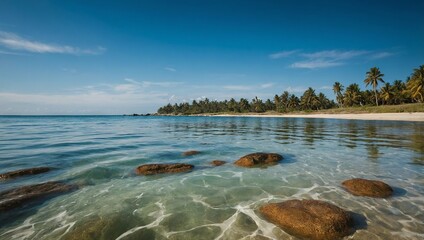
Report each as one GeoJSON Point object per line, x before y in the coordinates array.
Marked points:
{"type": "Point", "coordinates": [209, 202]}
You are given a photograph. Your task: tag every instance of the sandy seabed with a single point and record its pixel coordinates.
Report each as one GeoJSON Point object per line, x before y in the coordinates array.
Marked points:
{"type": "Point", "coordinates": [417, 117]}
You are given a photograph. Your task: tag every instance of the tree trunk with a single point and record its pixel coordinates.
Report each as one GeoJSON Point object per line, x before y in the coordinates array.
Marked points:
{"type": "Point", "coordinates": [376, 100]}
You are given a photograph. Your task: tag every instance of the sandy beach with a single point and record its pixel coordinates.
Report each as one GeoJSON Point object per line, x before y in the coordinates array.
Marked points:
{"type": "Point", "coordinates": [416, 117]}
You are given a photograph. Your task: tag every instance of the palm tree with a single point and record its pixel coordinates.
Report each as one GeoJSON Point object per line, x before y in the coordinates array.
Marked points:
{"type": "Point", "coordinates": [387, 93]}
{"type": "Point", "coordinates": [399, 92]}
{"type": "Point", "coordinates": [323, 101]}
{"type": "Point", "coordinates": [277, 103]}
{"type": "Point", "coordinates": [257, 105]}
{"type": "Point", "coordinates": [293, 102]}
{"type": "Point", "coordinates": [352, 95]}
{"type": "Point", "coordinates": [284, 98]}
{"type": "Point", "coordinates": [338, 89]}
{"type": "Point", "coordinates": [415, 85]}
{"type": "Point", "coordinates": [373, 76]}
{"type": "Point", "coordinates": [269, 105]}
{"type": "Point", "coordinates": [244, 105]}
{"type": "Point", "coordinates": [308, 99]}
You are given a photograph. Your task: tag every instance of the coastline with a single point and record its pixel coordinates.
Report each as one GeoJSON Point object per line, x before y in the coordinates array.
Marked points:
{"type": "Point", "coordinates": [412, 117]}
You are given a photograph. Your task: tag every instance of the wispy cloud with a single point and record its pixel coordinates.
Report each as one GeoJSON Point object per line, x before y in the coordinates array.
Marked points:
{"type": "Point", "coordinates": [282, 54]}
{"type": "Point", "coordinates": [328, 58]}
{"type": "Point", "coordinates": [296, 89]}
{"type": "Point", "coordinates": [11, 53]}
{"type": "Point", "coordinates": [320, 63]}
{"type": "Point", "coordinates": [238, 87]}
{"type": "Point", "coordinates": [130, 80]}
{"type": "Point", "coordinates": [128, 88]}
{"type": "Point", "coordinates": [160, 84]}
{"type": "Point", "coordinates": [90, 102]}
{"type": "Point", "coordinates": [248, 87]}
{"type": "Point", "coordinates": [267, 85]}
{"type": "Point", "coordinates": [170, 69]}
{"type": "Point", "coordinates": [15, 42]}
{"type": "Point", "coordinates": [125, 97]}
{"type": "Point", "coordinates": [379, 55]}
{"type": "Point", "coordinates": [334, 54]}
{"type": "Point", "coordinates": [146, 84]}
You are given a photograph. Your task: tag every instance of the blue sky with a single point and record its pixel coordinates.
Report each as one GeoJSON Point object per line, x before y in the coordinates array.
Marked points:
{"type": "Point", "coordinates": [115, 57]}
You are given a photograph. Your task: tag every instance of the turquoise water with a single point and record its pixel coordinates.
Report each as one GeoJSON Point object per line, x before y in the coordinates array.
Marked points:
{"type": "Point", "coordinates": [100, 154]}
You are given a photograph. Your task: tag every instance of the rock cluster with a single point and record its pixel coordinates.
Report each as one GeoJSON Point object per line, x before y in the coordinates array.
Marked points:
{"type": "Point", "coordinates": [218, 162]}
{"type": "Point", "coordinates": [150, 169]}
{"type": "Point", "coordinates": [311, 219]}
{"type": "Point", "coordinates": [20, 196]}
{"type": "Point", "coordinates": [368, 188]}
{"type": "Point", "coordinates": [259, 159]}
{"type": "Point", "coordinates": [190, 153]}
{"type": "Point", "coordinates": [24, 172]}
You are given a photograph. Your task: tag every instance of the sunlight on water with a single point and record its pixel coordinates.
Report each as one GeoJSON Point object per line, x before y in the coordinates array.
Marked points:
{"type": "Point", "coordinates": [101, 153]}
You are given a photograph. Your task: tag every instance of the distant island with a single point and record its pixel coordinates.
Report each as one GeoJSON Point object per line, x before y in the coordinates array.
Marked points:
{"type": "Point", "coordinates": [399, 96]}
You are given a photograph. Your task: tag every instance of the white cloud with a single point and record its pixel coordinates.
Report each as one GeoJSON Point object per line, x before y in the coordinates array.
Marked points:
{"type": "Point", "coordinates": [335, 54]}
{"type": "Point", "coordinates": [170, 69]}
{"type": "Point", "coordinates": [134, 86]}
{"type": "Point", "coordinates": [11, 53]}
{"type": "Point", "coordinates": [282, 54]}
{"type": "Point", "coordinates": [238, 87]}
{"type": "Point", "coordinates": [296, 89]}
{"type": "Point", "coordinates": [130, 80]}
{"type": "Point", "coordinates": [15, 42]}
{"type": "Point", "coordinates": [312, 64]}
{"type": "Point", "coordinates": [326, 88]}
{"type": "Point", "coordinates": [129, 97]}
{"type": "Point", "coordinates": [247, 87]}
{"type": "Point", "coordinates": [93, 102]}
{"type": "Point", "coordinates": [267, 85]}
{"type": "Point", "coordinates": [160, 84]}
{"type": "Point", "coordinates": [381, 55]}
{"type": "Point", "coordinates": [126, 88]}
{"type": "Point", "coordinates": [146, 84]}
{"type": "Point", "coordinates": [328, 58]}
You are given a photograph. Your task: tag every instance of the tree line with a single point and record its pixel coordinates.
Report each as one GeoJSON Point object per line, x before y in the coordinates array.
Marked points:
{"type": "Point", "coordinates": [398, 92]}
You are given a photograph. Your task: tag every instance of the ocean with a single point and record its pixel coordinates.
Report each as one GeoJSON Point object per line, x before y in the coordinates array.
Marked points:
{"type": "Point", "coordinates": [100, 153]}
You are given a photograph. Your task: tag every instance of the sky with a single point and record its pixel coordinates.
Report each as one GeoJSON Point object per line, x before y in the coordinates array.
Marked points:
{"type": "Point", "coordinates": [118, 57]}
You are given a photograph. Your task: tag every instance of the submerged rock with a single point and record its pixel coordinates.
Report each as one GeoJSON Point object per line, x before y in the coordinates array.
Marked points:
{"type": "Point", "coordinates": [98, 227]}
{"type": "Point", "coordinates": [24, 172]}
{"type": "Point", "coordinates": [259, 159]}
{"type": "Point", "coordinates": [20, 196]}
{"type": "Point", "coordinates": [368, 188]}
{"type": "Point", "coordinates": [218, 162]}
{"type": "Point", "coordinates": [190, 153]}
{"type": "Point", "coordinates": [311, 219]}
{"type": "Point", "coordinates": [150, 169]}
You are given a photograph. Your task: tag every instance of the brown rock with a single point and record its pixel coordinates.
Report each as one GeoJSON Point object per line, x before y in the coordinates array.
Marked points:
{"type": "Point", "coordinates": [19, 196]}
{"type": "Point", "coordinates": [368, 188]}
{"type": "Point", "coordinates": [24, 172]}
{"type": "Point", "coordinates": [99, 227]}
{"type": "Point", "coordinates": [259, 159]}
{"type": "Point", "coordinates": [190, 153]}
{"type": "Point", "coordinates": [150, 169]}
{"type": "Point", "coordinates": [218, 162]}
{"type": "Point", "coordinates": [311, 219]}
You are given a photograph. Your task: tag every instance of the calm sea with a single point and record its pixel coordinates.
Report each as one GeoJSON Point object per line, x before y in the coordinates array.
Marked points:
{"type": "Point", "coordinates": [101, 152]}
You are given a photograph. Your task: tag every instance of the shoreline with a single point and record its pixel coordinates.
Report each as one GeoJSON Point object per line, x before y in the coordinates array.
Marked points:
{"type": "Point", "coordinates": [411, 117]}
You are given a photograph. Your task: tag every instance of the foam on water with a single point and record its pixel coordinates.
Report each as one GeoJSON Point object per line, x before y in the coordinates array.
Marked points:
{"type": "Point", "coordinates": [222, 202]}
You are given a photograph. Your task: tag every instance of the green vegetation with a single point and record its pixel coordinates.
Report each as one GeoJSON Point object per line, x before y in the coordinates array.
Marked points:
{"type": "Point", "coordinates": [399, 96]}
